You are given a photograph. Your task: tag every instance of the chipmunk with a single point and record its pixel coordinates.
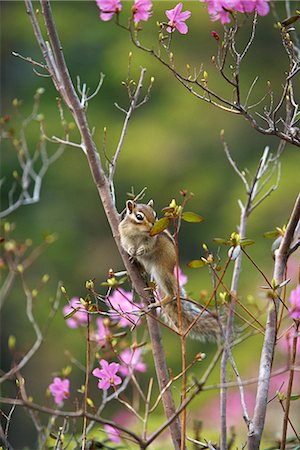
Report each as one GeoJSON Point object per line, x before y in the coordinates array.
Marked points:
{"type": "Point", "coordinates": [156, 254]}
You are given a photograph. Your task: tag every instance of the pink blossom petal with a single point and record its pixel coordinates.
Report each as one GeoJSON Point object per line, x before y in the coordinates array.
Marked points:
{"type": "Point", "coordinates": [262, 7]}
{"type": "Point", "coordinates": [113, 434]}
{"type": "Point", "coordinates": [182, 28]}
{"type": "Point", "coordinates": [97, 372]}
{"type": "Point", "coordinates": [104, 384]}
{"type": "Point", "coordinates": [185, 15]}
{"type": "Point", "coordinates": [106, 16]}
{"type": "Point", "coordinates": [114, 367]}
{"type": "Point", "coordinates": [117, 380]}
{"type": "Point", "coordinates": [294, 310]}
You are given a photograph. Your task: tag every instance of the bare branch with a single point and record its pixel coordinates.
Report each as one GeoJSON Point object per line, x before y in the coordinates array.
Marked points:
{"type": "Point", "coordinates": [281, 257]}
{"type": "Point", "coordinates": [39, 334]}
{"type": "Point", "coordinates": [128, 113]}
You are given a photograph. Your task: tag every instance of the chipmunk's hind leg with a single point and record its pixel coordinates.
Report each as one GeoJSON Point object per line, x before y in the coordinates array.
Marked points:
{"type": "Point", "coordinates": [167, 288]}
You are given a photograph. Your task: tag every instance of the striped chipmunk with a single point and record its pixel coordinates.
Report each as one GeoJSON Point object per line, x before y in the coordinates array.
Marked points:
{"type": "Point", "coordinates": [156, 254]}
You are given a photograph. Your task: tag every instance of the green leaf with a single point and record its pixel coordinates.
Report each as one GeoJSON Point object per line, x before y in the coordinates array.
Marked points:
{"type": "Point", "coordinates": [295, 397]}
{"type": "Point", "coordinates": [271, 234]}
{"type": "Point", "coordinates": [189, 216]}
{"type": "Point", "coordinates": [290, 20]}
{"type": "Point", "coordinates": [196, 263]}
{"type": "Point", "coordinates": [159, 226]}
{"type": "Point", "coordinates": [246, 242]}
{"type": "Point", "coordinates": [221, 241]}
{"type": "Point", "coordinates": [71, 313]}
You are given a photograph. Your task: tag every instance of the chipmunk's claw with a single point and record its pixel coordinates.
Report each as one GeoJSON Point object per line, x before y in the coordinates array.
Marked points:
{"type": "Point", "coordinates": [153, 306]}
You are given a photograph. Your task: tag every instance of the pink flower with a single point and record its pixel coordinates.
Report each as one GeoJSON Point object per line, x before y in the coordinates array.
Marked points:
{"type": "Point", "coordinates": [177, 19]}
{"type": "Point", "coordinates": [107, 375]}
{"type": "Point", "coordinates": [141, 10]}
{"type": "Point", "coordinates": [79, 318]}
{"type": "Point", "coordinates": [294, 311]}
{"type": "Point", "coordinates": [249, 6]}
{"type": "Point", "coordinates": [131, 361]}
{"type": "Point", "coordinates": [113, 434]}
{"type": "Point", "coordinates": [279, 383]}
{"type": "Point", "coordinates": [234, 409]}
{"type": "Point", "coordinates": [60, 389]}
{"type": "Point", "coordinates": [108, 8]}
{"type": "Point", "coordinates": [122, 306]}
{"type": "Point", "coordinates": [218, 9]}
{"type": "Point", "coordinates": [183, 279]}
{"type": "Point", "coordinates": [285, 344]}
{"type": "Point", "coordinates": [102, 335]}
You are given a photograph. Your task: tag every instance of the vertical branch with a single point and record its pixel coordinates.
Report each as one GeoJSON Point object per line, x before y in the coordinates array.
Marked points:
{"type": "Point", "coordinates": [252, 190]}
{"type": "Point", "coordinates": [71, 99]}
{"type": "Point", "coordinates": [289, 389]}
{"type": "Point", "coordinates": [182, 338]}
{"type": "Point", "coordinates": [281, 257]}
{"type": "Point", "coordinates": [229, 331]}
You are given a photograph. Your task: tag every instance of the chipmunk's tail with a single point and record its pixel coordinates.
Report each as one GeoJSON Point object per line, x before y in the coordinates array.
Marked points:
{"type": "Point", "coordinates": [206, 325]}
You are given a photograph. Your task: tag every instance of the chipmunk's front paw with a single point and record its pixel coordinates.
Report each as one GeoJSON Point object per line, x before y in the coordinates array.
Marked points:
{"type": "Point", "coordinates": [140, 251]}
{"type": "Point", "coordinates": [131, 252]}
{"type": "Point", "coordinates": [153, 305]}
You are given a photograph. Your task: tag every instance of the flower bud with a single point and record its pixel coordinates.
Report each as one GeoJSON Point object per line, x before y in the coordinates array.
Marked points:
{"type": "Point", "coordinates": [12, 342]}
{"type": "Point", "coordinates": [89, 284]}
{"type": "Point", "coordinates": [45, 278]}
{"type": "Point", "coordinates": [20, 268]}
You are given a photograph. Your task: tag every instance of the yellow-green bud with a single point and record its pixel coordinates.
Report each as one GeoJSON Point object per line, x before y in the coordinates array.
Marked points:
{"type": "Point", "coordinates": [173, 203]}
{"type": "Point", "coordinates": [40, 117]}
{"type": "Point", "coordinates": [40, 91]}
{"type": "Point", "coordinates": [45, 278]}
{"type": "Point", "coordinates": [20, 268]}
{"type": "Point", "coordinates": [7, 227]}
{"type": "Point", "coordinates": [89, 284]}
{"type": "Point", "coordinates": [12, 342]}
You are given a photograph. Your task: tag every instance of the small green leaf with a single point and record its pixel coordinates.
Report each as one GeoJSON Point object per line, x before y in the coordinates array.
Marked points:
{"type": "Point", "coordinates": [271, 234]}
{"type": "Point", "coordinates": [66, 371]}
{"type": "Point", "coordinates": [289, 20]}
{"type": "Point", "coordinates": [71, 313]}
{"type": "Point", "coordinates": [295, 397]}
{"type": "Point", "coordinates": [221, 241]}
{"type": "Point", "coordinates": [284, 283]}
{"type": "Point", "coordinates": [196, 263]}
{"type": "Point", "coordinates": [159, 226]}
{"type": "Point", "coordinates": [189, 216]}
{"type": "Point", "coordinates": [246, 242]}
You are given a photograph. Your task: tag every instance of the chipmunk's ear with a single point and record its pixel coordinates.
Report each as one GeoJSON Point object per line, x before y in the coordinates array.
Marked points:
{"type": "Point", "coordinates": [150, 203]}
{"type": "Point", "coordinates": [130, 205]}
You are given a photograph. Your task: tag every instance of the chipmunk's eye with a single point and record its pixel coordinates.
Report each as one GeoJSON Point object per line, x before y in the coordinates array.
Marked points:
{"type": "Point", "coordinates": [139, 216]}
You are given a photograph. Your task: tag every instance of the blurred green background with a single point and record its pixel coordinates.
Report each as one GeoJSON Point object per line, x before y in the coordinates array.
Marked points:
{"type": "Point", "coordinates": [173, 142]}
